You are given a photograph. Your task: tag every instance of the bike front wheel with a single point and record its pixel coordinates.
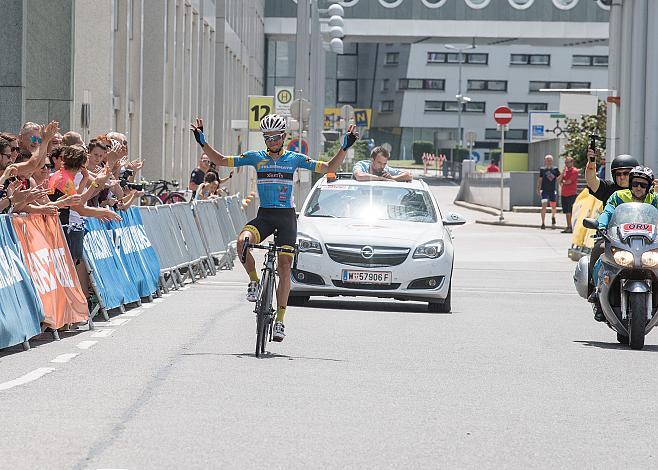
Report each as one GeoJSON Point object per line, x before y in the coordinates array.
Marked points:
{"type": "Point", "coordinates": [263, 314]}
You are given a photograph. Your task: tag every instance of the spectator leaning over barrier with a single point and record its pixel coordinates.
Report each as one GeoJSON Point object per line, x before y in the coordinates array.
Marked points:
{"type": "Point", "coordinates": [209, 188]}
{"type": "Point", "coordinates": [29, 137]}
{"type": "Point", "coordinates": [568, 182]}
{"type": "Point", "coordinates": [13, 142]}
{"type": "Point", "coordinates": [377, 169]}
{"type": "Point", "coordinates": [198, 174]}
{"type": "Point", "coordinates": [276, 168]}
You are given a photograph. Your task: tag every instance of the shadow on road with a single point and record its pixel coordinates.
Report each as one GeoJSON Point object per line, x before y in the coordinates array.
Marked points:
{"type": "Point", "coordinates": [41, 339]}
{"type": "Point", "coordinates": [602, 345]}
{"type": "Point", "coordinates": [268, 355]}
{"type": "Point", "coordinates": [369, 306]}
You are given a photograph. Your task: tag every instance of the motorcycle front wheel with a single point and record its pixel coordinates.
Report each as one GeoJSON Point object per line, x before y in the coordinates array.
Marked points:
{"type": "Point", "coordinates": [638, 319]}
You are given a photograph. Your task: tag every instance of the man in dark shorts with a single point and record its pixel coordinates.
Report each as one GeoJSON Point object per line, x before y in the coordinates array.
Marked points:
{"type": "Point", "coordinates": [546, 189]}
{"type": "Point", "coordinates": [569, 188]}
{"type": "Point", "coordinates": [602, 189]}
{"type": "Point", "coordinates": [275, 168]}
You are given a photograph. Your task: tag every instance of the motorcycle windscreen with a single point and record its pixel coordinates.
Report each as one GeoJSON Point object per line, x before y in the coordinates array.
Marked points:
{"type": "Point", "coordinates": [634, 218]}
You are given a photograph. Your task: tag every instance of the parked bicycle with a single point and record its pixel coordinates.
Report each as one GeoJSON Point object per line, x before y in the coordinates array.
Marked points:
{"type": "Point", "coordinates": [266, 289]}
{"type": "Point", "coordinates": [160, 193]}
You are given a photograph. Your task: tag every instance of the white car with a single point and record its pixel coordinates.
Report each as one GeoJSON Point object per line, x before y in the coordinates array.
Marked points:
{"type": "Point", "coordinates": [374, 238]}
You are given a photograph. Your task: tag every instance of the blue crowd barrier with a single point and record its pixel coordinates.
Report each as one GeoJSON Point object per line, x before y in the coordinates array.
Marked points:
{"type": "Point", "coordinates": [21, 312]}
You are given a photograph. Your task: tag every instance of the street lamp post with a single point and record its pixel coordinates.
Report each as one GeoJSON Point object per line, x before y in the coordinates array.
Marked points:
{"type": "Point", "coordinates": [461, 99]}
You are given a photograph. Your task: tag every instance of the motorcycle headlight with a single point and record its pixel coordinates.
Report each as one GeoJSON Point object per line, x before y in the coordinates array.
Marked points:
{"type": "Point", "coordinates": [431, 249]}
{"type": "Point", "coordinates": [623, 258]}
{"type": "Point", "coordinates": [308, 244]}
{"type": "Point", "coordinates": [650, 259]}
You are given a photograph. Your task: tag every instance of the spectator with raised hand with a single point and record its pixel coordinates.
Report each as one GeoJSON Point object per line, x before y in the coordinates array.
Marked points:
{"type": "Point", "coordinates": [29, 137]}
{"type": "Point", "coordinates": [197, 178]}
{"type": "Point", "coordinates": [40, 153]}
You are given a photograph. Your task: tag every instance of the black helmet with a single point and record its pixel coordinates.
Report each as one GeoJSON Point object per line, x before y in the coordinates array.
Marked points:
{"type": "Point", "coordinates": [623, 161]}
{"type": "Point", "coordinates": [641, 172]}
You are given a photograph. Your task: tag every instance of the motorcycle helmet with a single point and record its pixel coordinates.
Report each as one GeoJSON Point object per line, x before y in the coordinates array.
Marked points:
{"type": "Point", "coordinates": [623, 161]}
{"type": "Point", "coordinates": [641, 172]}
{"type": "Point", "coordinates": [273, 122]}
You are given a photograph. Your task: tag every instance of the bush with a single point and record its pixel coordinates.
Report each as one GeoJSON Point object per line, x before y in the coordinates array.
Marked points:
{"type": "Point", "coordinates": [420, 147]}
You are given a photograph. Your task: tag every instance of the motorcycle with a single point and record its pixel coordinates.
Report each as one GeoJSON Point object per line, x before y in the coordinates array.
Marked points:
{"type": "Point", "coordinates": [628, 272]}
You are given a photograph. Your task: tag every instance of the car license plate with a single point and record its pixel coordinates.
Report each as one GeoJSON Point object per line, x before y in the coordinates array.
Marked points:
{"type": "Point", "coordinates": [367, 277]}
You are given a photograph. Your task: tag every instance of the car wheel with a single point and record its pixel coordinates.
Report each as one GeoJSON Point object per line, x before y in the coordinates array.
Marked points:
{"type": "Point", "coordinates": [441, 307]}
{"type": "Point", "coordinates": [298, 300]}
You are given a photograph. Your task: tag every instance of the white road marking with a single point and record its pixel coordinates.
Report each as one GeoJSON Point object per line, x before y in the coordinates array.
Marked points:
{"type": "Point", "coordinates": [29, 377]}
{"type": "Point", "coordinates": [118, 321]}
{"type": "Point", "coordinates": [513, 292]}
{"type": "Point", "coordinates": [86, 344]}
{"type": "Point", "coordinates": [103, 333]}
{"type": "Point", "coordinates": [63, 358]}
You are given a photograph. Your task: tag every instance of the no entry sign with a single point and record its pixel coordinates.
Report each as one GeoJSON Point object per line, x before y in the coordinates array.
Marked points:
{"type": "Point", "coordinates": [503, 115]}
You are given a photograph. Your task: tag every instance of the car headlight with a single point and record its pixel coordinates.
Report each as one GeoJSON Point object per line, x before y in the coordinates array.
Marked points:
{"type": "Point", "coordinates": [650, 259]}
{"type": "Point", "coordinates": [308, 244]}
{"type": "Point", "coordinates": [623, 258]}
{"type": "Point", "coordinates": [431, 249]}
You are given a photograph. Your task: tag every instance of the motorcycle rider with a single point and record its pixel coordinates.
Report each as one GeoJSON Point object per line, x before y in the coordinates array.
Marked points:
{"type": "Point", "coordinates": [602, 190]}
{"type": "Point", "coordinates": [641, 180]}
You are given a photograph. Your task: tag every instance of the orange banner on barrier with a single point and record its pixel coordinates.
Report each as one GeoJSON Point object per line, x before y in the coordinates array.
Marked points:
{"type": "Point", "coordinates": [49, 262]}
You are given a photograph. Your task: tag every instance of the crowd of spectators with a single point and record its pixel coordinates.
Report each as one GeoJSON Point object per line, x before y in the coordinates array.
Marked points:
{"type": "Point", "coordinates": [205, 182]}
{"type": "Point", "coordinates": [45, 172]}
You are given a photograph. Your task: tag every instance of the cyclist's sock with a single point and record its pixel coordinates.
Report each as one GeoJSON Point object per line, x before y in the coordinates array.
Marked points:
{"type": "Point", "coordinates": [253, 276]}
{"type": "Point", "coordinates": [280, 313]}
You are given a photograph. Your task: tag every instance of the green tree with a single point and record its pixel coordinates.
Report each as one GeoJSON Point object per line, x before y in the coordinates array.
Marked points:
{"type": "Point", "coordinates": [360, 152]}
{"type": "Point", "coordinates": [579, 131]}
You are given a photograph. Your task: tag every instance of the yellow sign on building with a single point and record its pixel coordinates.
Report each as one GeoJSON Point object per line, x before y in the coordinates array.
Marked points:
{"type": "Point", "coordinates": [259, 107]}
{"type": "Point", "coordinates": [332, 117]}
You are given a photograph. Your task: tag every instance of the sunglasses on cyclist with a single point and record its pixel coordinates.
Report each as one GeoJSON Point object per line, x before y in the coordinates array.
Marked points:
{"type": "Point", "coordinates": [34, 139]}
{"type": "Point", "coordinates": [639, 184]}
{"type": "Point", "coordinates": [273, 138]}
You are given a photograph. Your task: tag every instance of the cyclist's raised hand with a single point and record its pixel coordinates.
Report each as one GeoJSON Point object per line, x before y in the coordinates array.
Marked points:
{"type": "Point", "coordinates": [197, 130]}
{"type": "Point", "coordinates": [350, 137]}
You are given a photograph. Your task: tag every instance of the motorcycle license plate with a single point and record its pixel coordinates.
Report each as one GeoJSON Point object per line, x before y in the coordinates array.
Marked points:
{"type": "Point", "coordinates": [366, 277]}
{"type": "Point", "coordinates": [646, 230]}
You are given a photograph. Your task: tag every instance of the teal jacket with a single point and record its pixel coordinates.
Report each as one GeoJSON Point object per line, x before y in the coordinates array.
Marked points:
{"type": "Point", "coordinates": [620, 197]}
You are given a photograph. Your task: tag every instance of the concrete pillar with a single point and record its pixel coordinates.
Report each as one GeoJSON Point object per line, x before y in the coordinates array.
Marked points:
{"type": "Point", "coordinates": [154, 91]}
{"type": "Point", "coordinates": [303, 45]}
{"type": "Point", "coordinates": [637, 90]}
{"type": "Point", "coordinates": [12, 70]}
{"type": "Point", "coordinates": [625, 77]}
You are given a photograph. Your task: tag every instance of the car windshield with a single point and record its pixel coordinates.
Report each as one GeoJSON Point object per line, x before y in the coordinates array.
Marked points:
{"type": "Point", "coordinates": [344, 200]}
{"type": "Point", "coordinates": [634, 212]}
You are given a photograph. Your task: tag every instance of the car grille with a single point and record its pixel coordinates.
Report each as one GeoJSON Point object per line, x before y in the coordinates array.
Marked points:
{"type": "Point", "coordinates": [382, 256]}
{"type": "Point", "coordinates": [356, 285]}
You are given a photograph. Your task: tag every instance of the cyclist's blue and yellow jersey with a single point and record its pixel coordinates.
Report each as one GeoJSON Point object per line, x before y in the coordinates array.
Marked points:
{"type": "Point", "coordinates": [275, 184]}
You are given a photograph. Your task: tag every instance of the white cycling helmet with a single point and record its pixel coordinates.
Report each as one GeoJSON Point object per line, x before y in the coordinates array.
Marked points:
{"type": "Point", "coordinates": [273, 122]}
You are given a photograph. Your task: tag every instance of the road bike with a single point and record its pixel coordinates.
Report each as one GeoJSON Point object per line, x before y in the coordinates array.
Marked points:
{"type": "Point", "coordinates": [266, 289]}
{"type": "Point", "coordinates": [159, 193]}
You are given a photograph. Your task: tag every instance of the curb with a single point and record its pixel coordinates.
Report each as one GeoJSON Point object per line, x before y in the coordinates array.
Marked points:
{"type": "Point", "coordinates": [513, 224]}
{"type": "Point", "coordinates": [477, 207]}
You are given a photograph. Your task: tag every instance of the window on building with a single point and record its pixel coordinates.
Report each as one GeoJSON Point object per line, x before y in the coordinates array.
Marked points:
{"type": "Point", "coordinates": [589, 60]}
{"type": "Point", "coordinates": [524, 108]}
{"type": "Point", "coordinates": [346, 91]}
{"type": "Point", "coordinates": [486, 85]}
{"type": "Point", "coordinates": [350, 48]}
{"type": "Point", "coordinates": [512, 134]}
{"type": "Point", "coordinates": [421, 84]}
{"type": "Point", "coordinates": [536, 85]}
{"type": "Point", "coordinates": [385, 84]}
{"type": "Point", "coordinates": [453, 58]}
{"type": "Point", "coordinates": [433, 106]}
{"type": "Point", "coordinates": [386, 106]}
{"type": "Point", "coordinates": [453, 106]}
{"type": "Point", "coordinates": [530, 59]}
{"type": "Point", "coordinates": [392, 58]}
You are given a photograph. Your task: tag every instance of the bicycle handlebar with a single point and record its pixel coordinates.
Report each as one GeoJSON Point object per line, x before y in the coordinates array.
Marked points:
{"type": "Point", "coordinates": [271, 246]}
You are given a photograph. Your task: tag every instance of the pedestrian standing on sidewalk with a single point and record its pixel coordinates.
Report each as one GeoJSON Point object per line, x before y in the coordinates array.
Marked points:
{"type": "Point", "coordinates": [568, 181]}
{"type": "Point", "coordinates": [546, 189]}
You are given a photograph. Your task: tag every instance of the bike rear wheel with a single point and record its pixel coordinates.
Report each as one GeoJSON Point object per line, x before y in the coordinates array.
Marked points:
{"type": "Point", "coordinates": [174, 197]}
{"type": "Point", "coordinates": [149, 200]}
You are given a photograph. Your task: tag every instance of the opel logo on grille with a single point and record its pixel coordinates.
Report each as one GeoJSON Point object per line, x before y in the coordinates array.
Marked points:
{"type": "Point", "coordinates": [367, 252]}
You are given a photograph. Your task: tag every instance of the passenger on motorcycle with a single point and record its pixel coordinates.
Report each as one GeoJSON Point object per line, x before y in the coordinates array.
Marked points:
{"type": "Point", "coordinates": [640, 181]}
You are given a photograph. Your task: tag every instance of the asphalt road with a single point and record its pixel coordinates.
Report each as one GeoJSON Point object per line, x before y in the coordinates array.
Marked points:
{"type": "Point", "coordinates": [518, 376]}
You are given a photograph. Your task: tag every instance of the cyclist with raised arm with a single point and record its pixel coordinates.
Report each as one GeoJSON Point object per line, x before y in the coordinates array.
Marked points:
{"type": "Point", "coordinates": [275, 168]}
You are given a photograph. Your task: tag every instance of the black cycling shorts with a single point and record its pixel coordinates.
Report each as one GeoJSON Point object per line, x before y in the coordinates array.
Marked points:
{"type": "Point", "coordinates": [284, 221]}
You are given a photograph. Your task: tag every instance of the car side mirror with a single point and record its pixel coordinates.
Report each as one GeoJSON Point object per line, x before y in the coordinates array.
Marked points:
{"type": "Point", "coordinates": [452, 218]}
{"type": "Point", "coordinates": [590, 223]}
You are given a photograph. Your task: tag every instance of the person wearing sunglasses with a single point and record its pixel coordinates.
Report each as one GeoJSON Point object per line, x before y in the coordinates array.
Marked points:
{"type": "Point", "coordinates": [29, 137]}
{"type": "Point", "coordinates": [640, 190]}
{"type": "Point", "coordinates": [602, 189]}
{"type": "Point", "coordinates": [275, 168]}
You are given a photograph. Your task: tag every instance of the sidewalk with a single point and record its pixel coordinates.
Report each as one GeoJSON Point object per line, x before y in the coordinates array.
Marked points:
{"type": "Point", "coordinates": [490, 216]}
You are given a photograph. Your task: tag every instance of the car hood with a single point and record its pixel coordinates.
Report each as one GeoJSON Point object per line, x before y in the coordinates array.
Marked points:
{"type": "Point", "coordinates": [388, 233]}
